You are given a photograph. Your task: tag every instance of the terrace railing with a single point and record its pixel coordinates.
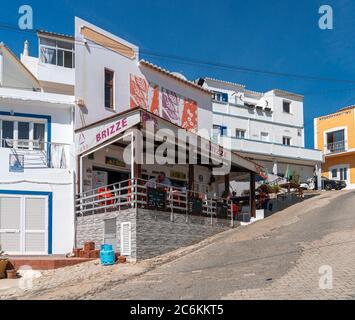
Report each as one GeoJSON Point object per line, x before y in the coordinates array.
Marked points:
{"type": "Point", "coordinates": [143, 194]}
{"type": "Point", "coordinates": [336, 147]}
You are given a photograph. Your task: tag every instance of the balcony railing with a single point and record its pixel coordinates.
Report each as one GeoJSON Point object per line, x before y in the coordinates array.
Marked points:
{"type": "Point", "coordinates": [38, 154]}
{"type": "Point", "coordinates": [275, 149]}
{"type": "Point", "coordinates": [137, 193]}
{"type": "Point", "coordinates": [336, 147]}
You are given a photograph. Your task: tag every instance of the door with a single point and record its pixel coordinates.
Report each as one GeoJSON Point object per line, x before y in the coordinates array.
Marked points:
{"type": "Point", "coordinates": [110, 232]}
{"type": "Point", "coordinates": [24, 224]}
{"type": "Point", "coordinates": [35, 226]}
{"type": "Point", "coordinates": [10, 224]}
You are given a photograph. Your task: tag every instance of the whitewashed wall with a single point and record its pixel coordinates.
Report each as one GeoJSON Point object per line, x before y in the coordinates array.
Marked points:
{"type": "Point", "coordinates": [58, 181]}
{"type": "Point", "coordinates": [91, 61]}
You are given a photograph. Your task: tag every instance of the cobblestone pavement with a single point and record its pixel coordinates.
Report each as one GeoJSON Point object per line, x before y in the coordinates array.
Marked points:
{"type": "Point", "coordinates": [276, 258]}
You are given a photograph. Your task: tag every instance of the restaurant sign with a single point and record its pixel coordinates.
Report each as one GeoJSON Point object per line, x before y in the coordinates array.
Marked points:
{"type": "Point", "coordinates": [88, 139]}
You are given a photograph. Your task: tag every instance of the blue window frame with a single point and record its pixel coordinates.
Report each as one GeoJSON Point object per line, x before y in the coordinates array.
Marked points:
{"type": "Point", "coordinates": [50, 210]}
{"type": "Point", "coordinates": [220, 96]}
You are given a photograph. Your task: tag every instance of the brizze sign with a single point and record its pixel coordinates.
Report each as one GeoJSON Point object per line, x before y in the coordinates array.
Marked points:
{"type": "Point", "coordinates": [93, 136]}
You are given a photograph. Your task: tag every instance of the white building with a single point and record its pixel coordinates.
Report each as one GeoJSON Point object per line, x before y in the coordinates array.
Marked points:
{"type": "Point", "coordinates": [265, 127]}
{"type": "Point", "coordinates": [37, 158]}
{"type": "Point", "coordinates": [63, 119]}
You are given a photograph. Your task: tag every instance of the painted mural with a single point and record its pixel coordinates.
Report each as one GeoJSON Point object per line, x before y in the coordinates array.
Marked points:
{"type": "Point", "coordinates": [189, 116]}
{"type": "Point", "coordinates": [153, 99]}
{"type": "Point", "coordinates": [139, 88]}
{"type": "Point", "coordinates": [165, 103]}
{"type": "Point", "coordinates": [144, 94]}
{"type": "Point", "coordinates": [171, 106]}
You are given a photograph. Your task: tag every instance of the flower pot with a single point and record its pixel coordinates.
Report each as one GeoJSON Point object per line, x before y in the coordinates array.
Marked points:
{"type": "Point", "coordinates": [11, 274]}
{"type": "Point", "coordinates": [3, 265]}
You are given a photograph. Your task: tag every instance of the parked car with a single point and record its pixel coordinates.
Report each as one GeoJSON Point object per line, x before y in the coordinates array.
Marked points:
{"type": "Point", "coordinates": [308, 185]}
{"type": "Point", "coordinates": [328, 184]}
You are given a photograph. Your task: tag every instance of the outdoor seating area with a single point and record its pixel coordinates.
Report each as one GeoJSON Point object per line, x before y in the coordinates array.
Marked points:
{"type": "Point", "coordinates": [136, 193]}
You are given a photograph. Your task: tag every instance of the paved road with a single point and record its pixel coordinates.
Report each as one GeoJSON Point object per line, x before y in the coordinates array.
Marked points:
{"type": "Point", "coordinates": [277, 258]}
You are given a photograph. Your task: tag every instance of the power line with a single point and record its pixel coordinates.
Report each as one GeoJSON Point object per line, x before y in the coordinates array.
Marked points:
{"type": "Point", "coordinates": [214, 65]}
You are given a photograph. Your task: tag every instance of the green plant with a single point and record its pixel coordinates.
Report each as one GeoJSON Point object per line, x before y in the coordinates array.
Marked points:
{"type": "Point", "coordinates": [295, 178]}
{"type": "Point", "coordinates": [266, 188]}
{"type": "Point", "coordinates": [276, 188]}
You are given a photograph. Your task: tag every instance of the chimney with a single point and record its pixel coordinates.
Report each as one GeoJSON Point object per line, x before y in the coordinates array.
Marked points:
{"type": "Point", "coordinates": [26, 49]}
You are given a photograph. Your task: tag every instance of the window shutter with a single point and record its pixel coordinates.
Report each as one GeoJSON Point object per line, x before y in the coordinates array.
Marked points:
{"type": "Point", "coordinates": [10, 224]}
{"type": "Point", "coordinates": [126, 239]}
{"type": "Point", "coordinates": [35, 222]}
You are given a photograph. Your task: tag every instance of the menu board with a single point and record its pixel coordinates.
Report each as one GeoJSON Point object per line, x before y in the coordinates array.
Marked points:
{"type": "Point", "coordinates": [156, 199]}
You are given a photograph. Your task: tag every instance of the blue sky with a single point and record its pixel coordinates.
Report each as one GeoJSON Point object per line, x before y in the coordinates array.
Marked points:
{"type": "Point", "coordinates": [280, 36]}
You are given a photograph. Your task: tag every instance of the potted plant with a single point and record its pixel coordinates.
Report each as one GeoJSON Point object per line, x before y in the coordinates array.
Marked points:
{"type": "Point", "coordinates": [3, 264]}
{"type": "Point", "coordinates": [11, 274]}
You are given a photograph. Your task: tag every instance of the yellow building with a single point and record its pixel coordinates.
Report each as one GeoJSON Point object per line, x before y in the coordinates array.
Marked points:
{"type": "Point", "coordinates": [334, 134]}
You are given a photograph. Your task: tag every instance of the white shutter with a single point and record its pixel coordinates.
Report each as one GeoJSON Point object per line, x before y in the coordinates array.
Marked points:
{"type": "Point", "coordinates": [10, 224]}
{"type": "Point", "coordinates": [35, 225]}
{"type": "Point", "coordinates": [10, 213]}
{"type": "Point", "coordinates": [35, 214]}
{"type": "Point", "coordinates": [125, 239]}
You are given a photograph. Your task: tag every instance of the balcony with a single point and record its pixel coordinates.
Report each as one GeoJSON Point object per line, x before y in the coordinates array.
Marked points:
{"type": "Point", "coordinates": [34, 154]}
{"type": "Point", "coordinates": [335, 147]}
{"type": "Point", "coordinates": [275, 150]}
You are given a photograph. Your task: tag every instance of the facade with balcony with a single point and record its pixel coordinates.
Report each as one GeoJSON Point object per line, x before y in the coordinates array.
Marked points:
{"type": "Point", "coordinates": [335, 136]}
{"type": "Point", "coordinates": [37, 162]}
{"type": "Point", "coordinates": [265, 127]}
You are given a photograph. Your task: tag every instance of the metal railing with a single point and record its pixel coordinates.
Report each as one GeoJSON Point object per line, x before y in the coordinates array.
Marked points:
{"type": "Point", "coordinates": [37, 153]}
{"type": "Point", "coordinates": [336, 147]}
{"type": "Point", "coordinates": [133, 193]}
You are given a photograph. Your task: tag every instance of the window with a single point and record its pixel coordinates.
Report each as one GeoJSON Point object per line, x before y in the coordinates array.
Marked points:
{"type": "Point", "coordinates": [109, 95]}
{"type": "Point", "coordinates": [286, 141]}
{"type": "Point", "coordinates": [60, 53]}
{"type": "Point", "coordinates": [240, 134]}
{"type": "Point", "coordinates": [222, 130]}
{"type": "Point", "coordinates": [22, 134]}
{"type": "Point", "coordinates": [344, 174]}
{"type": "Point", "coordinates": [220, 96]}
{"type": "Point", "coordinates": [7, 133]}
{"type": "Point", "coordinates": [287, 107]}
{"type": "Point", "coordinates": [39, 130]}
{"type": "Point", "coordinates": [334, 173]}
{"type": "Point", "coordinates": [264, 136]}
{"type": "Point", "coordinates": [336, 141]}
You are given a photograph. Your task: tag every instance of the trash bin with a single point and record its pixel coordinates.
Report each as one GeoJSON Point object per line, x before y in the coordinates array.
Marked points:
{"type": "Point", "coordinates": [107, 255]}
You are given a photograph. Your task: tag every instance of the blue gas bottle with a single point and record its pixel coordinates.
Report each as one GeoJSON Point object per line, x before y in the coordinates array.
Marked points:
{"type": "Point", "coordinates": [107, 255]}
